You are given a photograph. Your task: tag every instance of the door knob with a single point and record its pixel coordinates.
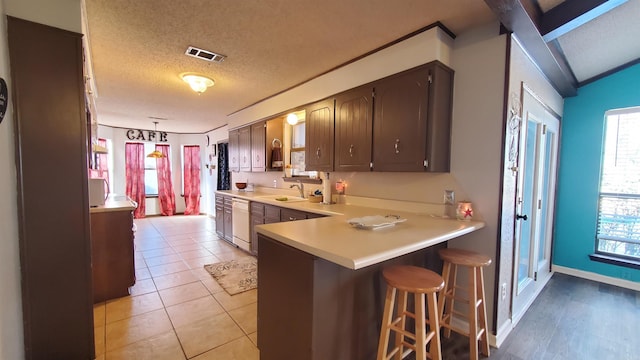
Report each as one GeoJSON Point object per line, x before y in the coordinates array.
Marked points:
{"type": "Point", "coordinates": [523, 217]}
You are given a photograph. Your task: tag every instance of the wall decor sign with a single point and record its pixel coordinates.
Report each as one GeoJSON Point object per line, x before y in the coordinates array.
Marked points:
{"type": "Point", "coordinates": [147, 135]}
{"type": "Point", "coordinates": [4, 98]}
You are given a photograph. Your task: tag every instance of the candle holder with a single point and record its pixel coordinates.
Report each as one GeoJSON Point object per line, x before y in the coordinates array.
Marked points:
{"type": "Point", "coordinates": [464, 211]}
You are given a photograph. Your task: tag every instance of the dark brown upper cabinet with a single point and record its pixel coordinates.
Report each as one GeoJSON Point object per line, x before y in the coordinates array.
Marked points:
{"type": "Point", "coordinates": [250, 146]}
{"type": "Point", "coordinates": [439, 118]}
{"type": "Point", "coordinates": [234, 150]}
{"type": "Point", "coordinates": [319, 136]}
{"type": "Point", "coordinates": [258, 136]}
{"type": "Point", "coordinates": [353, 129]}
{"type": "Point", "coordinates": [244, 141]}
{"type": "Point", "coordinates": [412, 117]}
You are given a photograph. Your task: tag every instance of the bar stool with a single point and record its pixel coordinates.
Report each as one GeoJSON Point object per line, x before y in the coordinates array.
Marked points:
{"type": "Point", "coordinates": [477, 313]}
{"type": "Point", "coordinates": [423, 283]}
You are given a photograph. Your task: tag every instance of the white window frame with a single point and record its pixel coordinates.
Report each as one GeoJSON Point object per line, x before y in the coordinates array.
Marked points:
{"type": "Point", "coordinates": [618, 226]}
{"type": "Point", "coordinates": [150, 167]}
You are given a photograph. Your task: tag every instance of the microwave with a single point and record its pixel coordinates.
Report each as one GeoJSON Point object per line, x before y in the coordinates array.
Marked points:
{"type": "Point", "coordinates": [97, 192]}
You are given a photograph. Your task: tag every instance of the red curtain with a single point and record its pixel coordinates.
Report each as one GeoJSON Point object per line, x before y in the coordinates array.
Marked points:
{"type": "Point", "coordinates": [192, 180]}
{"type": "Point", "coordinates": [134, 165]}
{"type": "Point", "coordinates": [165, 185]}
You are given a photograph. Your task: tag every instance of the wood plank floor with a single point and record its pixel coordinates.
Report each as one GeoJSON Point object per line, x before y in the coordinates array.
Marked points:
{"type": "Point", "coordinates": [571, 319]}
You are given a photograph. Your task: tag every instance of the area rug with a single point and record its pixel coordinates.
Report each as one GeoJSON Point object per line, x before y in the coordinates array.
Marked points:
{"type": "Point", "coordinates": [235, 276]}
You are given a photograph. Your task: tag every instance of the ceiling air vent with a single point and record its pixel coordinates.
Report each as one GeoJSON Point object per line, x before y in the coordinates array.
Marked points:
{"type": "Point", "coordinates": [204, 54]}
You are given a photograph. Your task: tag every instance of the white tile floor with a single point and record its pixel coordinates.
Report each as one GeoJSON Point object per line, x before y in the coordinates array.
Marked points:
{"type": "Point", "coordinates": [176, 310]}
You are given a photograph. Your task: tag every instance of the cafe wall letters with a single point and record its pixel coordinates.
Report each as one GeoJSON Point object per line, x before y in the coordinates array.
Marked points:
{"type": "Point", "coordinates": [147, 135]}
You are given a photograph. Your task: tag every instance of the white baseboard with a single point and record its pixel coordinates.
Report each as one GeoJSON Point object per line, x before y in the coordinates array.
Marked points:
{"type": "Point", "coordinates": [494, 340]}
{"type": "Point", "coordinates": [597, 277]}
{"type": "Point", "coordinates": [502, 333]}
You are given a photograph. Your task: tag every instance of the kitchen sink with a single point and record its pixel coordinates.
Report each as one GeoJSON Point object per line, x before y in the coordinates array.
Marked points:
{"type": "Point", "coordinates": [282, 198]}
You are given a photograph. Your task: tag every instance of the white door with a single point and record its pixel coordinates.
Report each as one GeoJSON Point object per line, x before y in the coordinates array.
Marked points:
{"type": "Point", "coordinates": [535, 201]}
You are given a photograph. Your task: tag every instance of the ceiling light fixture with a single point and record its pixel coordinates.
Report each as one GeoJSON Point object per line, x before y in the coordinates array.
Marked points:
{"type": "Point", "coordinates": [292, 119]}
{"type": "Point", "coordinates": [198, 83]}
{"type": "Point", "coordinates": [156, 153]}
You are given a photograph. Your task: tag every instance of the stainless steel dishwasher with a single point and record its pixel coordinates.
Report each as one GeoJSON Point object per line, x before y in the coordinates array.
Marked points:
{"type": "Point", "coordinates": [241, 223]}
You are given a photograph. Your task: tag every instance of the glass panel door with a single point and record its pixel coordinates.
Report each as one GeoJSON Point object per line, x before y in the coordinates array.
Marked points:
{"type": "Point", "coordinates": [535, 202]}
{"type": "Point", "coordinates": [527, 205]}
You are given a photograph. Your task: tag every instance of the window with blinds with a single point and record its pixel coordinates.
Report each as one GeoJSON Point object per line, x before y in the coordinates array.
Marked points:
{"type": "Point", "coordinates": [618, 231]}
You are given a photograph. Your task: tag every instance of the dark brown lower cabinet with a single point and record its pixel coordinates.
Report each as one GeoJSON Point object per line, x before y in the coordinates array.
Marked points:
{"type": "Point", "coordinates": [113, 265]}
{"type": "Point", "coordinates": [310, 308]}
{"type": "Point", "coordinates": [292, 215]}
{"type": "Point", "coordinates": [228, 218]}
{"type": "Point", "coordinates": [269, 214]}
{"type": "Point", "coordinates": [220, 216]}
{"type": "Point", "coordinates": [224, 217]}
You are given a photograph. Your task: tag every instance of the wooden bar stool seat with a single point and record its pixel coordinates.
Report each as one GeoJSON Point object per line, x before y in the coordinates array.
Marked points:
{"type": "Point", "coordinates": [477, 313]}
{"type": "Point", "coordinates": [424, 284]}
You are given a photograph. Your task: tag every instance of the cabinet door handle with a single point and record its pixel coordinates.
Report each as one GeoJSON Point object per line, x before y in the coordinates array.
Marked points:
{"type": "Point", "coordinates": [351, 150]}
{"type": "Point", "coordinates": [396, 146]}
{"type": "Point", "coordinates": [318, 153]}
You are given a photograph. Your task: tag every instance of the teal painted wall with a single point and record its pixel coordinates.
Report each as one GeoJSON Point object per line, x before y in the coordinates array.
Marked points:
{"type": "Point", "coordinates": [579, 172]}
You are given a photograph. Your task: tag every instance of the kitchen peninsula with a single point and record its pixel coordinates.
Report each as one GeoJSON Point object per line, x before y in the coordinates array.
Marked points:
{"type": "Point", "coordinates": [320, 292]}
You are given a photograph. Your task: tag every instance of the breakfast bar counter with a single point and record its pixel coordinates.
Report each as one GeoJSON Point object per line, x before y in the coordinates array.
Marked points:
{"type": "Point", "coordinates": [321, 293]}
{"type": "Point", "coordinates": [334, 239]}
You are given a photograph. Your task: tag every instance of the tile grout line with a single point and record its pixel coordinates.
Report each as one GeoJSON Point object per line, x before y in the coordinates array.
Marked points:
{"type": "Point", "coordinates": [204, 236]}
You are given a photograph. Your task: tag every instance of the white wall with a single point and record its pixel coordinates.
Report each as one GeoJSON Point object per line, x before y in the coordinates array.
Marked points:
{"type": "Point", "coordinates": [63, 14]}
{"type": "Point", "coordinates": [11, 331]}
{"type": "Point", "coordinates": [479, 59]}
{"type": "Point", "coordinates": [118, 137]}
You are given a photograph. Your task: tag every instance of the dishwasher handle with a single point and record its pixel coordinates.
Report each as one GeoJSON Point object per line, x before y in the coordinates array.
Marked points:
{"type": "Point", "coordinates": [240, 204]}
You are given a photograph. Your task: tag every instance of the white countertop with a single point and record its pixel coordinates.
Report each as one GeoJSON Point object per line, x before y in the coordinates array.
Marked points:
{"type": "Point", "coordinates": [333, 239]}
{"type": "Point", "coordinates": [115, 203]}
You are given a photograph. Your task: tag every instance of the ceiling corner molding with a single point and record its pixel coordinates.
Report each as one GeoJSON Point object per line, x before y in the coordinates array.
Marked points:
{"type": "Point", "coordinates": [570, 14]}
{"type": "Point", "coordinates": [514, 16]}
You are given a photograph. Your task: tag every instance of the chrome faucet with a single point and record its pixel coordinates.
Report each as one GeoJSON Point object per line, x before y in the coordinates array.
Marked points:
{"type": "Point", "coordinates": [300, 187]}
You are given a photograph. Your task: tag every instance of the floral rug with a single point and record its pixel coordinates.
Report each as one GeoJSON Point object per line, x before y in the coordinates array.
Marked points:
{"type": "Point", "coordinates": [235, 276]}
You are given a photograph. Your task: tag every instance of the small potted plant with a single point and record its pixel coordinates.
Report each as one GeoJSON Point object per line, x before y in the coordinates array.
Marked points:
{"type": "Point", "coordinates": [315, 197]}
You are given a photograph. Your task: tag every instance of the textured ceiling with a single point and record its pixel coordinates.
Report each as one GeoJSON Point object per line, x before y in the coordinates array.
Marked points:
{"type": "Point", "coordinates": [137, 50]}
{"type": "Point", "coordinates": [546, 5]}
{"type": "Point", "coordinates": [604, 43]}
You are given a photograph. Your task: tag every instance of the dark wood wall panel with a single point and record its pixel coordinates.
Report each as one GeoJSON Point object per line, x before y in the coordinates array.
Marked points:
{"type": "Point", "coordinates": [51, 160]}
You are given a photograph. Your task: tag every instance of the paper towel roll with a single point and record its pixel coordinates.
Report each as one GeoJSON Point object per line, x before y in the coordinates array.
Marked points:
{"type": "Point", "coordinates": [326, 190]}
